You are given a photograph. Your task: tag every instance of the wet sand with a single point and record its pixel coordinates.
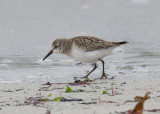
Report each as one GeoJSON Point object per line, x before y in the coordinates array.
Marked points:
{"type": "Point", "coordinates": [28, 29]}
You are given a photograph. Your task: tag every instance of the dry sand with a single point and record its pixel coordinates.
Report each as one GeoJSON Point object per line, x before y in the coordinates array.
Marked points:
{"type": "Point", "coordinates": [13, 97]}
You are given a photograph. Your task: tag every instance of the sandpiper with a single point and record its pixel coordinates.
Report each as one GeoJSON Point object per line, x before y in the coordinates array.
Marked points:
{"type": "Point", "coordinates": [86, 49]}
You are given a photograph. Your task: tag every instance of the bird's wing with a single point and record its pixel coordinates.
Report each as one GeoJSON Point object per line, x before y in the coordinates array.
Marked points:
{"type": "Point", "coordinates": [90, 43]}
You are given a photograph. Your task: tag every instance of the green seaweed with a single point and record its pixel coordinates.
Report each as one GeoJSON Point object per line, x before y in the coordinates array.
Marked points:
{"type": "Point", "coordinates": [57, 99]}
{"type": "Point", "coordinates": [68, 90]}
{"type": "Point", "coordinates": [104, 92]}
{"type": "Point", "coordinates": [49, 95]}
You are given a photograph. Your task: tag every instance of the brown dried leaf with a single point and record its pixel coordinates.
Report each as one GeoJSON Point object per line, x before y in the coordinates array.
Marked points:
{"type": "Point", "coordinates": [146, 96]}
{"type": "Point", "coordinates": [128, 101]}
{"type": "Point", "coordinates": [138, 98]}
{"type": "Point", "coordinates": [139, 107]}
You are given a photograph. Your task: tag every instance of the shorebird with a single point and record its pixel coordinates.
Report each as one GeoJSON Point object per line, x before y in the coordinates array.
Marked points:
{"type": "Point", "coordinates": [88, 49]}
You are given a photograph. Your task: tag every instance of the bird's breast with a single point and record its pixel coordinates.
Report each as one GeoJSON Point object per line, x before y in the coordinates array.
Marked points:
{"type": "Point", "coordinates": [89, 56]}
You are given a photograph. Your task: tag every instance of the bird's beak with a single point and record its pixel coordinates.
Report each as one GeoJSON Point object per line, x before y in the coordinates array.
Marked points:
{"type": "Point", "coordinates": [47, 55]}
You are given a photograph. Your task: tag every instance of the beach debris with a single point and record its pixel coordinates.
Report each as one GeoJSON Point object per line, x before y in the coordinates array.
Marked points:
{"type": "Point", "coordinates": [65, 100]}
{"type": "Point", "coordinates": [34, 101]}
{"type": "Point", "coordinates": [68, 90]}
{"type": "Point", "coordinates": [112, 89]}
{"type": "Point", "coordinates": [128, 101]}
{"type": "Point", "coordinates": [41, 100]}
{"type": "Point", "coordinates": [48, 112]}
{"type": "Point", "coordinates": [153, 110]}
{"type": "Point", "coordinates": [49, 88]}
{"type": "Point", "coordinates": [111, 102]}
{"type": "Point", "coordinates": [136, 99]}
{"type": "Point", "coordinates": [87, 103]}
{"type": "Point", "coordinates": [139, 106]}
{"type": "Point", "coordinates": [57, 99]}
{"type": "Point", "coordinates": [47, 83]}
{"type": "Point", "coordinates": [87, 80]}
{"type": "Point", "coordinates": [49, 95]}
{"type": "Point", "coordinates": [12, 90]}
{"type": "Point", "coordinates": [45, 99]}
{"type": "Point", "coordinates": [50, 99]}
{"type": "Point", "coordinates": [61, 99]}
{"type": "Point", "coordinates": [100, 101]}
{"type": "Point", "coordinates": [78, 82]}
{"type": "Point", "coordinates": [104, 92]}
{"type": "Point", "coordinates": [80, 90]}
{"type": "Point", "coordinates": [45, 88]}
{"type": "Point", "coordinates": [19, 89]}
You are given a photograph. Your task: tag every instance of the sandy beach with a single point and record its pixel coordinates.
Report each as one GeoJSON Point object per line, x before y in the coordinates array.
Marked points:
{"type": "Point", "coordinates": [21, 98]}
{"type": "Point", "coordinates": [27, 30]}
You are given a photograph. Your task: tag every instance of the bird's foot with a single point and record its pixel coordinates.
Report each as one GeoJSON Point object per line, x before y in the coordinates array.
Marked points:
{"type": "Point", "coordinates": [104, 75]}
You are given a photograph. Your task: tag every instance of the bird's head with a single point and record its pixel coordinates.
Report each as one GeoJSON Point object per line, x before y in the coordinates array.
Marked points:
{"type": "Point", "coordinates": [57, 47]}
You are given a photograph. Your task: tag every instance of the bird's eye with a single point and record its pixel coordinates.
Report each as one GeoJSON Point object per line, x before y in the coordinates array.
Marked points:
{"type": "Point", "coordinates": [55, 46]}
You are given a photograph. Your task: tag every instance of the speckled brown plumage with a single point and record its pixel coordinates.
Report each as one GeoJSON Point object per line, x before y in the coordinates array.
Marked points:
{"type": "Point", "coordinates": [91, 43]}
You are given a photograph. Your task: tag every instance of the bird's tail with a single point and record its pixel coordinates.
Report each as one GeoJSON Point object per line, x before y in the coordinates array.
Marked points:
{"type": "Point", "coordinates": [121, 43]}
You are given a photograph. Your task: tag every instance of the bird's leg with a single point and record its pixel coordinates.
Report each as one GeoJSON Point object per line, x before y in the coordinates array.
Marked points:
{"type": "Point", "coordinates": [95, 66]}
{"type": "Point", "coordinates": [103, 73]}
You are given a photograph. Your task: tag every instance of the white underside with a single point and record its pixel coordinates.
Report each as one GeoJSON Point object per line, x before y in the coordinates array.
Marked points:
{"type": "Point", "coordinates": [90, 56]}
